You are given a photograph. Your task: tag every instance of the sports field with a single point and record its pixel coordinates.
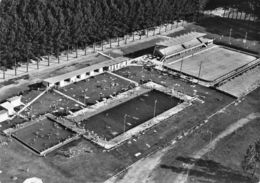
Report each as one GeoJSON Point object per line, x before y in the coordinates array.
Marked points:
{"type": "Point", "coordinates": [215, 62]}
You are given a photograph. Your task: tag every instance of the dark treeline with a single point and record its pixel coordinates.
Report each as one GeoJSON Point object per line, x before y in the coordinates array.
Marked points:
{"type": "Point", "coordinates": [248, 6]}
{"type": "Point", "coordinates": [30, 29]}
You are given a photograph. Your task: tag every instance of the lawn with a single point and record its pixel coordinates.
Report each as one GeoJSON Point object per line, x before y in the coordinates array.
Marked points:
{"type": "Point", "coordinates": [50, 102]}
{"type": "Point", "coordinates": [223, 162]}
{"type": "Point", "coordinates": [95, 88]}
{"type": "Point", "coordinates": [43, 135]}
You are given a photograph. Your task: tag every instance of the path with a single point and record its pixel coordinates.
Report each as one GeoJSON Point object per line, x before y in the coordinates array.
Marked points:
{"type": "Point", "coordinates": [68, 97]}
{"type": "Point", "coordinates": [28, 104]}
{"type": "Point", "coordinates": [131, 81]}
{"type": "Point", "coordinates": [183, 177]}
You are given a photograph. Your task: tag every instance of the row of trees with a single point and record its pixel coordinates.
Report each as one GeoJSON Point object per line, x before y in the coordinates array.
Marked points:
{"type": "Point", "coordinates": [251, 7]}
{"type": "Point", "coordinates": [30, 29]}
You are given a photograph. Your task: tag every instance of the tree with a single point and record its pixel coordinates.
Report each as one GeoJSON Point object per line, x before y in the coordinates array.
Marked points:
{"type": "Point", "coordinates": [33, 28]}
{"type": "Point", "coordinates": [251, 158]}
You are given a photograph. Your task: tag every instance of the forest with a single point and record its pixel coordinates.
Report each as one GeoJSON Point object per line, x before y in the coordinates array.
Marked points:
{"type": "Point", "coordinates": [30, 29]}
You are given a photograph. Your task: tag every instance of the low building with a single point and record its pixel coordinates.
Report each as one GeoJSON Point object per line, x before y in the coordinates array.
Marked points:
{"type": "Point", "coordinates": [82, 74]}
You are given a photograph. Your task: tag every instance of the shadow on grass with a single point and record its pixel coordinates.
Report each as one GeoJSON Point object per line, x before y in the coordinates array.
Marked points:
{"type": "Point", "coordinates": [210, 171]}
{"type": "Point", "coordinates": [222, 26]}
{"type": "Point", "coordinates": [219, 29]}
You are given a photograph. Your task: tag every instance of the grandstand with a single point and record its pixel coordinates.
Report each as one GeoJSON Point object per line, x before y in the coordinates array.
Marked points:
{"type": "Point", "coordinates": [196, 58]}
{"type": "Point", "coordinates": [181, 45]}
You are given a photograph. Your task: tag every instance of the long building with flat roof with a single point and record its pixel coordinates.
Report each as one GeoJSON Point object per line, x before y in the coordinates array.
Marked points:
{"type": "Point", "coordinates": [84, 73]}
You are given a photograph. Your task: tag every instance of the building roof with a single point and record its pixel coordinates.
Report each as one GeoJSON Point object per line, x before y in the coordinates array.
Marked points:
{"type": "Point", "coordinates": [205, 40]}
{"type": "Point", "coordinates": [171, 50]}
{"type": "Point", "coordinates": [86, 69]}
{"type": "Point", "coordinates": [14, 98]}
{"type": "Point", "coordinates": [192, 43]}
{"type": "Point", "coordinates": [181, 39]}
{"type": "Point", "coordinates": [180, 43]}
{"type": "Point", "coordinates": [7, 105]}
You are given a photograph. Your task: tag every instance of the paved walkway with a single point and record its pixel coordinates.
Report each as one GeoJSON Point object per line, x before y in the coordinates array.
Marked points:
{"type": "Point", "coordinates": [70, 98]}
{"type": "Point", "coordinates": [28, 104]}
{"type": "Point", "coordinates": [131, 81]}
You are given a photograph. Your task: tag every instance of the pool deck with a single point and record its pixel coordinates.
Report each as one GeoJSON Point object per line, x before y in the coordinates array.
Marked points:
{"type": "Point", "coordinates": [122, 98]}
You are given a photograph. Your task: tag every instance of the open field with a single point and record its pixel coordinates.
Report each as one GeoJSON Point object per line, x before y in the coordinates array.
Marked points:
{"type": "Point", "coordinates": [127, 115]}
{"type": "Point", "coordinates": [225, 156]}
{"type": "Point", "coordinates": [243, 83]}
{"type": "Point", "coordinates": [94, 89]}
{"type": "Point", "coordinates": [215, 62]}
{"type": "Point", "coordinates": [42, 135]}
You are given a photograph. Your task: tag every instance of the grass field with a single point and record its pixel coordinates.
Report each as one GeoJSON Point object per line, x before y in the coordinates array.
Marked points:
{"type": "Point", "coordinates": [50, 102]}
{"type": "Point", "coordinates": [125, 116]}
{"type": "Point", "coordinates": [223, 162]}
{"type": "Point", "coordinates": [11, 123]}
{"type": "Point", "coordinates": [96, 88]}
{"type": "Point", "coordinates": [43, 135]}
{"type": "Point", "coordinates": [215, 62]}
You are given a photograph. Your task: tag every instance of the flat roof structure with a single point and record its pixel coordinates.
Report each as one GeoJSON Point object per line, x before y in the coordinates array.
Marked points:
{"type": "Point", "coordinates": [171, 50]}
{"type": "Point", "coordinates": [192, 43]}
{"type": "Point", "coordinates": [85, 70]}
{"type": "Point", "coordinates": [179, 40]}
